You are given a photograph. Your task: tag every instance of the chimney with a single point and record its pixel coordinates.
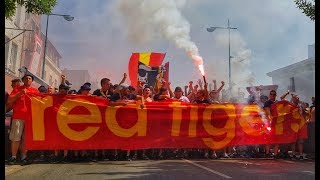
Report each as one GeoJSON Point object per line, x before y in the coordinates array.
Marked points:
{"type": "Point", "coordinates": [311, 51]}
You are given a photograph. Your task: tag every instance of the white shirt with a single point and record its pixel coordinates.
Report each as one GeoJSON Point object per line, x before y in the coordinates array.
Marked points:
{"type": "Point", "coordinates": [183, 99]}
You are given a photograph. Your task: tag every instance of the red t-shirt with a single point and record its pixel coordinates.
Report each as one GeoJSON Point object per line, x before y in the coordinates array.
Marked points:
{"type": "Point", "coordinates": [19, 106]}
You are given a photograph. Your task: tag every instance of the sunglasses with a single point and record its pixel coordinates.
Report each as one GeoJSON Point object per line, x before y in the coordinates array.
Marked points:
{"type": "Point", "coordinates": [273, 94]}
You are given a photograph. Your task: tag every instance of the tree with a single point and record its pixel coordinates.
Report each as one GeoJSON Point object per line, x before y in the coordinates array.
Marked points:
{"type": "Point", "coordinates": [307, 7]}
{"type": "Point", "coordinates": [32, 6]}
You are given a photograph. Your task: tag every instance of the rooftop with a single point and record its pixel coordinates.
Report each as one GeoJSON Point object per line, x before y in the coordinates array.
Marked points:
{"type": "Point", "coordinates": [292, 66]}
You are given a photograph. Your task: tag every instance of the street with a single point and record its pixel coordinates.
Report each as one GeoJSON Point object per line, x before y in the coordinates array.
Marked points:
{"type": "Point", "coordinates": [168, 169]}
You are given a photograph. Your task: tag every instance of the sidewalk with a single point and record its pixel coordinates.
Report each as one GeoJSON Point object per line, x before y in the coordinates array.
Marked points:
{"type": "Point", "coordinates": [9, 169]}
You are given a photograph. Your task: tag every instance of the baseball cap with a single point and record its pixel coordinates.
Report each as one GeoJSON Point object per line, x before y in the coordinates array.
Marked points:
{"type": "Point", "coordinates": [123, 86]}
{"type": "Point", "coordinates": [25, 75]}
{"type": "Point", "coordinates": [62, 86]}
{"type": "Point", "coordinates": [86, 86]}
{"type": "Point", "coordinates": [178, 89]}
{"type": "Point", "coordinates": [162, 89]}
{"type": "Point", "coordinates": [42, 89]}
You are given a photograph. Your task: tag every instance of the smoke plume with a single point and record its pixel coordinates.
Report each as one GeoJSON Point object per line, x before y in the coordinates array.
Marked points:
{"type": "Point", "coordinates": [241, 73]}
{"type": "Point", "coordinates": [149, 20]}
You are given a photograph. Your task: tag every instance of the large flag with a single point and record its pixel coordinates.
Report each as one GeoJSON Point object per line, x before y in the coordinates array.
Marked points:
{"type": "Point", "coordinates": [35, 61]}
{"type": "Point", "coordinates": [150, 59]}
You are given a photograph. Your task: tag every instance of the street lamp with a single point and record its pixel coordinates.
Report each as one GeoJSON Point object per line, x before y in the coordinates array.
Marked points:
{"type": "Point", "coordinates": [211, 29]}
{"type": "Point", "coordinates": [67, 18]}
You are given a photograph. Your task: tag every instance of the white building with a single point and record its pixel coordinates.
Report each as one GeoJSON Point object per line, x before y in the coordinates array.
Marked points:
{"type": "Point", "coordinates": [52, 71]}
{"type": "Point", "coordinates": [13, 46]}
{"type": "Point", "coordinates": [311, 51]}
{"type": "Point", "coordinates": [298, 78]}
{"type": "Point", "coordinates": [26, 50]}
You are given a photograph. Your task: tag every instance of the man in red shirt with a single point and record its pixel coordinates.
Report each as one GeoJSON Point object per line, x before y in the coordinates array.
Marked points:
{"type": "Point", "coordinates": [17, 98]}
{"type": "Point", "coordinates": [14, 83]}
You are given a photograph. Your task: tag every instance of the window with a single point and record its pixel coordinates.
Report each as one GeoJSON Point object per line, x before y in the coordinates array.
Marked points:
{"type": "Point", "coordinates": [37, 30]}
{"type": "Point", "coordinates": [7, 49]}
{"type": "Point", "coordinates": [292, 85]}
{"type": "Point", "coordinates": [38, 49]}
{"type": "Point", "coordinates": [30, 37]}
{"type": "Point", "coordinates": [50, 80]}
{"type": "Point", "coordinates": [18, 16]}
{"type": "Point", "coordinates": [33, 24]}
{"type": "Point", "coordinates": [55, 60]}
{"type": "Point", "coordinates": [12, 61]}
{"type": "Point", "coordinates": [27, 16]}
{"type": "Point", "coordinates": [48, 52]}
{"type": "Point", "coordinates": [44, 73]}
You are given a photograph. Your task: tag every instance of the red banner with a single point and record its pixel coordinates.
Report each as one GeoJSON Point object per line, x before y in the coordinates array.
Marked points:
{"type": "Point", "coordinates": [86, 122]}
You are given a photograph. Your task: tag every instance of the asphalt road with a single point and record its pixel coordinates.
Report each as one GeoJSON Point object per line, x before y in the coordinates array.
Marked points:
{"type": "Point", "coordinates": [168, 169]}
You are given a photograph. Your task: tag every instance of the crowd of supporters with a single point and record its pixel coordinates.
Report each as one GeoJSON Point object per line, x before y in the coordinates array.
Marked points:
{"type": "Point", "coordinates": [119, 94]}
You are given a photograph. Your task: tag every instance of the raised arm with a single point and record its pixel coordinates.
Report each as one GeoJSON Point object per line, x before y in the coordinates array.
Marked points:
{"type": "Point", "coordinates": [210, 87]}
{"type": "Point", "coordinates": [220, 88]}
{"type": "Point", "coordinates": [186, 90]}
{"type": "Point", "coordinates": [206, 93]}
{"type": "Point", "coordinates": [170, 90]}
{"type": "Point", "coordinates": [190, 87]}
{"type": "Point", "coordinates": [284, 95]}
{"type": "Point", "coordinates": [139, 88]}
{"type": "Point", "coordinates": [122, 81]}
{"type": "Point", "coordinates": [214, 85]}
{"type": "Point", "coordinates": [140, 99]}
{"type": "Point", "coordinates": [158, 85]}
{"type": "Point", "coordinates": [63, 79]}
{"type": "Point", "coordinates": [195, 89]}
{"type": "Point", "coordinates": [200, 84]}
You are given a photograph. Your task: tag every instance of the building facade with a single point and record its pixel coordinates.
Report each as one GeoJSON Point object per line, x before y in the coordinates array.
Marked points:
{"type": "Point", "coordinates": [33, 44]}
{"type": "Point", "coordinates": [13, 46]}
{"type": "Point", "coordinates": [25, 52]}
{"type": "Point", "coordinates": [52, 71]}
{"type": "Point", "coordinates": [298, 78]}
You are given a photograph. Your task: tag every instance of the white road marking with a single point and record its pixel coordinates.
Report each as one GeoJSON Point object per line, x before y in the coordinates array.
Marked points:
{"type": "Point", "coordinates": [240, 161]}
{"type": "Point", "coordinates": [247, 162]}
{"type": "Point", "coordinates": [291, 162]}
{"type": "Point", "coordinates": [208, 169]}
{"type": "Point", "coordinates": [310, 172]}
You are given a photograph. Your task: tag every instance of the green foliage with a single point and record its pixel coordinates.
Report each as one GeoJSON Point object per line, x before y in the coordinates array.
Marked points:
{"type": "Point", "coordinates": [307, 7]}
{"type": "Point", "coordinates": [10, 8]}
{"type": "Point", "coordinates": [32, 6]}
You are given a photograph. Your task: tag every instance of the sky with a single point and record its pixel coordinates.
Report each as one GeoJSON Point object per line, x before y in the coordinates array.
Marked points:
{"type": "Point", "coordinates": [270, 35]}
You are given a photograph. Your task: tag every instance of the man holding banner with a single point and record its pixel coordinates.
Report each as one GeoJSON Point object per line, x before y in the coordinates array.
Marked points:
{"type": "Point", "coordinates": [267, 104]}
{"type": "Point", "coordinates": [17, 98]}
